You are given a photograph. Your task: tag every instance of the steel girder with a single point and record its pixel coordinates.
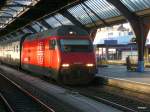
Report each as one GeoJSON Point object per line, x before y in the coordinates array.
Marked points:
{"type": "Point", "coordinates": [69, 16]}
{"type": "Point", "coordinates": [44, 23]}
{"type": "Point", "coordinates": [31, 29]}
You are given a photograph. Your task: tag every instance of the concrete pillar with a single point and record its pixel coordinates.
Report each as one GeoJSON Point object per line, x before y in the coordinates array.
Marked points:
{"type": "Point", "coordinates": [140, 45]}
{"type": "Point", "coordinates": [141, 39]}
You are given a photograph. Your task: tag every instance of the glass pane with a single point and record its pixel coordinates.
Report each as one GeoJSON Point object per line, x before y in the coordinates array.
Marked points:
{"type": "Point", "coordinates": [52, 22]}
{"type": "Point", "coordinates": [15, 10]}
{"type": "Point", "coordinates": [103, 8]}
{"type": "Point", "coordinates": [136, 5]}
{"type": "Point", "coordinates": [79, 13]}
{"type": "Point", "coordinates": [75, 42]}
{"type": "Point", "coordinates": [63, 19]}
{"type": "Point", "coordinates": [27, 31]}
{"type": "Point", "coordinates": [38, 27]}
{"type": "Point", "coordinates": [75, 45]}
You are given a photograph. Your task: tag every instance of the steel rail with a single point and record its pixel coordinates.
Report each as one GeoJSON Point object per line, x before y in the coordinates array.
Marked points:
{"type": "Point", "coordinates": [118, 106]}
{"type": "Point", "coordinates": [95, 97]}
{"type": "Point", "coordinates": [48, 108]}
{"type": "Point", "coordinates": [107, 102]}
{"type": "Point", "coordinates": [9, 108]}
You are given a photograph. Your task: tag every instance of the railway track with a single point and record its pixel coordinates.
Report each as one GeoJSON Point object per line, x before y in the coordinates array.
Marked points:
{"type": "Point", "coordinates": [124, 100]}
{"type": "Point", "coordinates": [112, 96]}
{"type": "Point", "coordinates": [6, 105]}
{"type": "Point", "coordinates": [17, 99]}
{"type": "Point", "coordinates": [116, 100]}
{"type": "Point", "coordinates": [73, 102]}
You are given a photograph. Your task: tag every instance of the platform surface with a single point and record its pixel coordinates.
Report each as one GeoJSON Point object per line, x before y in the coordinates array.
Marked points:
{"type": "Point", "coordinates": [120, 72]}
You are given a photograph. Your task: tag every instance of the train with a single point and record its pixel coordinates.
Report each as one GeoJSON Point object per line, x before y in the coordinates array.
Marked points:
{"type": "Point", "coordinates": [65, 54]}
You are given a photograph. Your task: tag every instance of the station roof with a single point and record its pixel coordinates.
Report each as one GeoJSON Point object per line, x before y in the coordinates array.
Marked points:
{"type": "Point", "coordinates": [15, 14]}
{"type": "Point", "coordinates": [12, 9]}
{"type": "Point", "coordinates": [85, 13]}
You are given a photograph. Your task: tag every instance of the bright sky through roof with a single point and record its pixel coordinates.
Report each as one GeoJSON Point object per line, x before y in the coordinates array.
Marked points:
{"type": "Point", "coordinates": [114, 35]}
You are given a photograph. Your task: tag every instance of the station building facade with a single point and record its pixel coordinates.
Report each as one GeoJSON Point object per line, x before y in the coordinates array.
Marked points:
{"type": "Point", "coordinates": [118, 42]}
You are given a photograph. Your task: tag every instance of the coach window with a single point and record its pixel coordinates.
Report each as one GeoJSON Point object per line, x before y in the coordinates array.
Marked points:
{"type": "Point", "coordinates": [52, 44]}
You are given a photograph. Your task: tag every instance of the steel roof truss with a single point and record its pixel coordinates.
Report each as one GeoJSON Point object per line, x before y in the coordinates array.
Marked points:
{"type": "Point", "coordinates": [41, 28]}
{"type": "Point", "coordinates": [6, 13]}
{"type": "Point", "coordinates": [18, 5]}
{"type": "Point", "coordinates": [88, 15]}
{"type": "Point", "coordinates": [69, 16]}
{"type": "Point", "coordinates": [44, 23]}
{"type": "Point", "coordinates": [95, 14]}
{"type": "Point", "coordinates": [12, 9]}
{"type": "Point", "coordinates": [8, 17]}
{"type": "Point", "coordinates": [31, 29]}
{"type": "Point", "coordinates": [58, 20]}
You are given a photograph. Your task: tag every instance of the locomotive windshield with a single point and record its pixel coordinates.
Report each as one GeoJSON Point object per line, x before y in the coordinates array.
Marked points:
{"type": "Point", "coordinates": [75, 45]}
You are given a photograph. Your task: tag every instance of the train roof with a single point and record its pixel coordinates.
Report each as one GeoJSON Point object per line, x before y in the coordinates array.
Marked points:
{"type": "Point", "coordinates": [60, 31]}
{"type": "Point", "coordinates": [15, 38]}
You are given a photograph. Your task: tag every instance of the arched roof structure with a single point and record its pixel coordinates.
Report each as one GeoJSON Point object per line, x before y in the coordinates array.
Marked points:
{"type": "Point", "coordinates": [84, 13]}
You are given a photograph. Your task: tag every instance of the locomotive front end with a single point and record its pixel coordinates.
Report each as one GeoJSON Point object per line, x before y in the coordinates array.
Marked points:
{"type": "Point", "coordinates": [78, 64]}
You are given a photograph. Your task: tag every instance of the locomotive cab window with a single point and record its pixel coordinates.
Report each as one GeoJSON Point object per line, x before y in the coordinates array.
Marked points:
{"type": "Point", "coordinates": [52, 44]}
{"type": "Point", "coordinates": [72, 45]}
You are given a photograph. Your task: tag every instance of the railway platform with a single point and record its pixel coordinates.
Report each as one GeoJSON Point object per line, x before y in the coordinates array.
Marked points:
{"type": "Point", "coordinates": [118, 76]}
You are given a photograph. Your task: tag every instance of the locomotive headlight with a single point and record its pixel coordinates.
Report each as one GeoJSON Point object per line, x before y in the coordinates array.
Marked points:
{"type": "Point", "coordinates": [65, 65]}
{"type": "Point", "coordinates": [89, 65]}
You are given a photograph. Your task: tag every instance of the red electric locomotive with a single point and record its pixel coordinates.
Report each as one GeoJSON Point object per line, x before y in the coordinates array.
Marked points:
{"type": "Point", "coordinates": [65, 54]}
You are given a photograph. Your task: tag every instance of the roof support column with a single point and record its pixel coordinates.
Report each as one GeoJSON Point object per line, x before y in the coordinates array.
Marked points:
{"type": "Point", "coordinates": [140, 29]}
